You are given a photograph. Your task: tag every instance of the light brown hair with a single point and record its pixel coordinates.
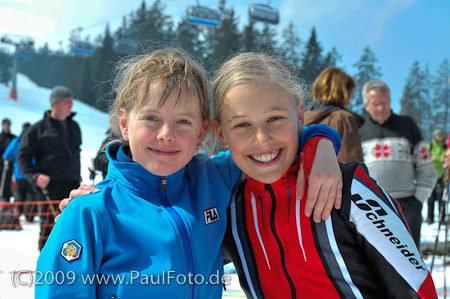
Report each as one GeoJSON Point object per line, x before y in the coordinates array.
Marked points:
{"type": "Point", "coordinates": [334, 86]}
{"type": "Point", "coordinates": [173, 66]}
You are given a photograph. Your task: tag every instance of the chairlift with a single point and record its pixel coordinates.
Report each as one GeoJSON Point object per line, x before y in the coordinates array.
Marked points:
{"type": "Point", "coordinates": [125, 46]}
{"type": "Point", "coordinates": [263, 13]}
{"type": "Point", "coordinates": [202, 15]}
{"type": "Point", "coordinates": [84, 48]}
{"type": "Point", "coordinates": [24, 54]}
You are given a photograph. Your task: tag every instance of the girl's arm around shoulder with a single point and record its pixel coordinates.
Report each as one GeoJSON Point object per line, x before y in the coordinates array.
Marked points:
{"type": "Point", "coordinates": [73, 251]}
{"type": "Point", "coordinates": [320, 130]}
{"type": "Point", "coordinates": [321, 173]}
{"type": "Point", "coordinates": [222, 168]}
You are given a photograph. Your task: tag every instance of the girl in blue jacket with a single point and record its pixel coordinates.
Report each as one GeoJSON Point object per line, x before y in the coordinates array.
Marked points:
{"type": "Point", "coordinates": [155, 228]}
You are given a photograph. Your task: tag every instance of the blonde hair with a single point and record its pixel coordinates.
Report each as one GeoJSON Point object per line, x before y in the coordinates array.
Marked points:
{"type": "Point", "coordinates": [171, 66]}
{"type": "Point", "coordinates": [246, 67]}
{"type": "Point", "coordinates": [334, 86]}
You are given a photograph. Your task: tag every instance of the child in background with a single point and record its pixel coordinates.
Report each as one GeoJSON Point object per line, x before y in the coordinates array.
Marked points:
{"type": "Point", "coordinates": [155, 227]}
{"type": "Point", "coordinates": [364, 250]}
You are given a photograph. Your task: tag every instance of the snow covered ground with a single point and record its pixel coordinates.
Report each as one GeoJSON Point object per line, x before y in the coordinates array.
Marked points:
{"type": "Point", "coordinates": [18, 249]}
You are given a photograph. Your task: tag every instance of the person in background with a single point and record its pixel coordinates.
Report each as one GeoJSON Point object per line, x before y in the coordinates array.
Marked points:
{"type": "Point", "coordinates": [6, 167]}
{"type": "Point", "coordinates": [396, 154]}
{"type": "Point", "coordinates": [332, 91]}
{"type": "Point", "coordinates": [54, 143]}
{"type": "Point", "coordinates": [437, 148]}
{"type": "Point", "coordinates": [24, 193]}
{"type": "Point", "coordinates": [100, 162]}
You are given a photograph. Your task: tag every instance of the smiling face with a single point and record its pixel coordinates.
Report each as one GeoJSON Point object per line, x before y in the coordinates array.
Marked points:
{"type": "Point", "coordinates": [163, 140]}
{"type": "Point", "coordinates": [260, 126]}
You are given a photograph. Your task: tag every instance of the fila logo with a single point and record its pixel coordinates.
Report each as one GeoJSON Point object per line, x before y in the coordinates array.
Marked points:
{"type": "Point", "coordinates": [211, 215]}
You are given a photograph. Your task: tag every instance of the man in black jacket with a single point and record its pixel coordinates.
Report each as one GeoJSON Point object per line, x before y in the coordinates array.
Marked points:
{"type": "Point", "coordinates": [55, 144]}
{"type": "Point", "coordinates": [5, 138]}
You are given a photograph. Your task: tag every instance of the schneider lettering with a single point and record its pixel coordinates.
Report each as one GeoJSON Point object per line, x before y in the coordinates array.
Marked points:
{"type": "Point", "coordinates": [374, 212]}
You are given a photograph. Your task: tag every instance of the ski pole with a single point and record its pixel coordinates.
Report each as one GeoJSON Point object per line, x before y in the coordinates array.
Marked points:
{"type": "Point", "coordinates": [47, 198]}
{"type": "Point", "coordinates": [441, 219]}
{"type": "Point", "coordinates": [445, 244]}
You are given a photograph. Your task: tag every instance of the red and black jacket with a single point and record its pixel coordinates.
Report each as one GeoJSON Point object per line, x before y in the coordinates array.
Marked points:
{"type": "Point", "coordinates": [364, 250]}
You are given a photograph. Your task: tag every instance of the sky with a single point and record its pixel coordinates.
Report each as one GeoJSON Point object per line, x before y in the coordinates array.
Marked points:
{"type": "Point", "coordinates": [399, 32]}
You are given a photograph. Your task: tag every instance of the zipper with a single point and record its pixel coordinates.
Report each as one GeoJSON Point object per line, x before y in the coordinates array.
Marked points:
{"type": "Point", "coordinates": [183, 230]}
{"type": "Point", "coordinates": [277, 238]}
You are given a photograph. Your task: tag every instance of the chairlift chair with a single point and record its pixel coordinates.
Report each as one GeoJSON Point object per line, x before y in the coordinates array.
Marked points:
{"type": "Point", "coordinates": [202, 15]}
{"type": "Point", "coordinates": [24, 54]}
{"type": "Point", "coordinates": [84, 48]}
{"type": "Point", "coordinates": [263, 13]}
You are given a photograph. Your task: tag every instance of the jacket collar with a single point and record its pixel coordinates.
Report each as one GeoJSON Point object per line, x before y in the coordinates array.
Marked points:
{"type": "Point", "coordinates": [47, 116]}
{"type": "Point", "coordinates": [288, 179]}
{"type": "Point", "coordinates": [387, 120]}
{"type": "Point", "coordinates": [318, 105]}
{"type": "Point", "coordinates": [122, 168]}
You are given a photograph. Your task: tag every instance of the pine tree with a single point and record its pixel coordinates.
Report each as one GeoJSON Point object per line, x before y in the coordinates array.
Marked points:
{"type": "Point", "coordinates": [312, 60]}
{"type": "Point", "coordinates": [440, 98]}
{"type": "Point", "coordinates": [159, 25]}
{"type": "Point", "coordinates": [266, 40]}
{"type": "Point", "coordinates": [189, 38]}
{"type": "Point", "coordinates": [137, 19]}
{"type": "Point", "coordinates": [415, 98]}
{"type": "Point", "coordinates": [332, 58]}
{"type": "Point", "coordinates": [225, 40]}
{"type": "Point", "coordinates": [101, 65]}
{"type": "Point", "coordinates": [290, 49]}
{"type": "Point", "coordinates": [250, 37]}
{"type": "Point", "coordinates": [367, 70]}
{"type": "Point", "coordinates": [5, 65]}
{"type": "Point", "coordinates": [151, 28]}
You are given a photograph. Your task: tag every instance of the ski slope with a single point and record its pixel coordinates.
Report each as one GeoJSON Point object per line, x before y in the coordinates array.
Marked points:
{"type": "Point", "coordinates": [18, 249]}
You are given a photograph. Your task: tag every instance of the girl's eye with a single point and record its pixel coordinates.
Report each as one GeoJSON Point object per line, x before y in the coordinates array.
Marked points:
{"type": "Point", "coordinates": [242, 125]}
{"type": "Point", "coordinates": [184, 122]}
{"type": "Point", "coordinates": [152, 118]}
{"type": "Point", "coordinates": [274, 118]}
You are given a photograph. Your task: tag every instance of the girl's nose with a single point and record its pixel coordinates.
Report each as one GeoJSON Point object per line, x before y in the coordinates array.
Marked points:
{"type": "Point", "coordinates": [263, 137]}
{"type": "Point", "coordinates": [166, 133]}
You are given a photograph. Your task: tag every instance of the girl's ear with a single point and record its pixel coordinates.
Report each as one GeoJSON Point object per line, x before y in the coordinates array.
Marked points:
{"type": "Point", "coordinates": [219, 131]}
{"type": "Point", "coordinates": [301, 114]}
{"type": "Point", "coordinates": [123, 123]}
{"type": "Point", "coordinates": [203, 131]}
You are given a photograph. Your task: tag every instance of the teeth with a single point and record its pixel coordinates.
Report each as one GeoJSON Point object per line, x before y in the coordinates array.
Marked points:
{"type": "Point", "coordinates": [265, 158]}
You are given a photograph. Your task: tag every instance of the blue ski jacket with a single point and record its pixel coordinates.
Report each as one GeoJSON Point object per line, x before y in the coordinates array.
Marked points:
{"type": "Point", "coordinates": [114, 243]}
{"type": "Point", "coordinates": [11, 153]}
